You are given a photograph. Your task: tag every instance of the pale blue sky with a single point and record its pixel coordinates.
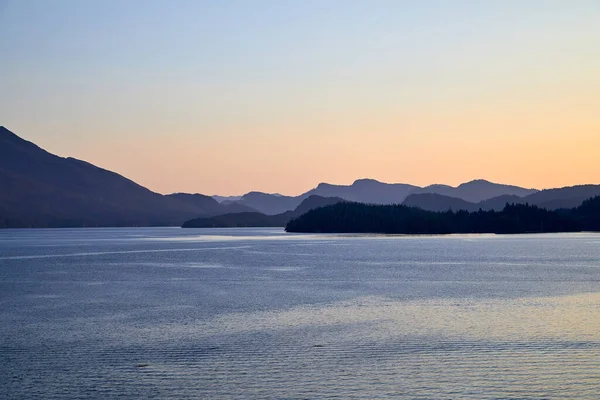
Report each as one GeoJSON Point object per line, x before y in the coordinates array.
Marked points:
{"type": "Point", "coordinates": [133, 85]}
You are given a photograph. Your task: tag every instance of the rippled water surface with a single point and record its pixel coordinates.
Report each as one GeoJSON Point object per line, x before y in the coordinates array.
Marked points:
{"type": "Point", "coordinates": [257, 313]}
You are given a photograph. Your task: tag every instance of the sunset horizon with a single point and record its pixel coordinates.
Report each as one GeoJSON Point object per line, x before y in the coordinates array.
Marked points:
{"type": "Point", "coordinates": [554, 183]}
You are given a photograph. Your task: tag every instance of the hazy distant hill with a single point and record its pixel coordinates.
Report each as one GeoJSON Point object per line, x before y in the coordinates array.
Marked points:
{"type": "Point", "coordinates": [552, 199]}
{"type": "Point", "coordinates": [255, 219]}
{"type": "Point", "coordinates": [43, 190]}
{"type": "Point", "coordinates": [477, 190]}
{"type": "Point", "coordinates": [365, 191]}
{"type": "Point", "coordinates": [371, 191]}
{"type": "Point", "coordinates": [269, 204]}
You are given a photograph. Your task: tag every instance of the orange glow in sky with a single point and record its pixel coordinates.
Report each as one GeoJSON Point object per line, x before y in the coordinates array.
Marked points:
{"type": "Point", "coordinates": [224, 99]}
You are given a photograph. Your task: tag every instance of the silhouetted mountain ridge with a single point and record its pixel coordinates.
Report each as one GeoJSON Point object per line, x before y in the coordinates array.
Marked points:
{"type": "Point", "coordinates": [476, 190]}
{"type": "Point", "coordinates": [269, 204]}
{"type": "Point", "coordinates": [371, 191]}
{"type": "Point", "coordinates": [364, 191]}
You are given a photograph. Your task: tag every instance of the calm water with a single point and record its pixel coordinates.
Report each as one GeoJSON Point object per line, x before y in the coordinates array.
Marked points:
{"type": "Point", "coordinates": [257, 313]}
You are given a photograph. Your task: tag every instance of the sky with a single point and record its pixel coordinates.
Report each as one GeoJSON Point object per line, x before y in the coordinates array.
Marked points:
{"type": "Point", "coordinates": [224, 97]}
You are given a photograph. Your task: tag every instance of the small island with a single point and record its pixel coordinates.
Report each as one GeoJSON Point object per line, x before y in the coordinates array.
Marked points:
{"type": "Point", "coordinates": [348, 217]}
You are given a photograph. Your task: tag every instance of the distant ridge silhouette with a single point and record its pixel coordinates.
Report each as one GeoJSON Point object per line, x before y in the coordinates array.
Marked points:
{"type": "Point", "coordinates": [39, 189]}
{"type": "Point", "coordinates": [269, 204]}
{"type": "Point", "coordinates": [371, 191]}
{"type": "Point", "coordinates": [476, 190]}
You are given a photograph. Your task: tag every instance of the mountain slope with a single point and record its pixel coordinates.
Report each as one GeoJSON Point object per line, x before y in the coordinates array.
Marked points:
{"type": "Point", "coordinates": [370, 191]}
{"type": "Point", "coordinates": [477, 190]}
{"type": "Point", "coordinates": [362, 190]}
{"type": "Point", "coordinates": [270, 204]}
{"type": "Point", "coordinates": [314, 201]}
{"type": "Point", "coordinates": [365, 191]}
{"type": "Point", "coordinates": [40, 189]}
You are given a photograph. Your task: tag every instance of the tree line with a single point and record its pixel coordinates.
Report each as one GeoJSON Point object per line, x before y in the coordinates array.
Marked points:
{"type": "Point", "coordinates": [348, 217]}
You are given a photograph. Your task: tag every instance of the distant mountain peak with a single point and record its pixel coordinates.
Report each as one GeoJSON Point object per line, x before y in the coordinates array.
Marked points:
{"type": "Point", "coordinates": [438, 186]}
{"type": "Point", "coordinates": [365, 181]}
{"type": "Point", "coordinates": [325, 185]}
{"type": "Point", "coordinates": [199, 195]}
{"type": "Point", "coordinates": [476, 190]}
{"type": "Point", "coordinates": [477, 181]}
{"type": "Point", "coordinates": [254, 193]}
{"type": "Point", "coordinates": [357, 182]}
{"type": "Point", "coordinates": [257, 194]}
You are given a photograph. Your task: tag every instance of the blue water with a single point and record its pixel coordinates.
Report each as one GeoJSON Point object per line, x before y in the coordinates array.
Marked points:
{"type": "Point", "coordinates": [257, 313]}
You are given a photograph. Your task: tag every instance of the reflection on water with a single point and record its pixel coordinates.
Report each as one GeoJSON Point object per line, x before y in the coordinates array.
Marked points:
{"type": "Point", "coordinates": [165, 313]}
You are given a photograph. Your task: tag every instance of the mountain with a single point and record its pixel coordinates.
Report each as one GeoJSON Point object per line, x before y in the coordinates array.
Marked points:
{"type": "Point", "coordinates": [256, 219]}
{"type": "Point", "coordinates": [367, 191]}
{"type": "Point", "coordinates": [476, 190]}
{"type": "Point", "coordinates": [40, 189]}
{"type": "Point", "coordinates": [370, 191]}
{"type": "Point", "coordinates": [312, 202]}
{"type": "Point", "coordinates": [362, 190]}
{"type": "Point", "coordinates": [270, 204]}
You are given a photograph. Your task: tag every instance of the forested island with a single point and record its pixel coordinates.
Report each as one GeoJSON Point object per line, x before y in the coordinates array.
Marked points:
{"type": "Point", "coordinates": [348, 217]}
